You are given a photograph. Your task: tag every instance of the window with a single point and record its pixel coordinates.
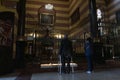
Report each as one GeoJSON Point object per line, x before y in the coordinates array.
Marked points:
{"type": "Point", "coordinates": [99, 14]}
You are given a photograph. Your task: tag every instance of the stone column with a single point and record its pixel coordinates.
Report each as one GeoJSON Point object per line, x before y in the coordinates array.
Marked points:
{"type": "Point", "coordinates": [20, 43]}
{"type": "Point", "coordinates": [21, 17]}
{"type": "Point", "coordinates": [93, 18]}
{"type": "Point", "coordinates": [97, 46]}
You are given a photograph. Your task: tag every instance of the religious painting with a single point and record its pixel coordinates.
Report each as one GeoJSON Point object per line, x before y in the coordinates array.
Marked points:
{"type": "Point", "coordinates": [46, 19]}
{"type": "Point", "coordinates": [6, 28]}
{"type": "Point", "coordinates": [6, 41]}
{"type": "Point", "coordinates": [75, 16]}
{"type": "Point", "coordinates": [118, 17]}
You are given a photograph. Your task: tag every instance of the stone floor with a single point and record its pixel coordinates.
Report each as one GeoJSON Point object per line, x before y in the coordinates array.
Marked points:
{"type": "Point", "coordinates": [108, 71]}
{"type": "Point", "coordinates": [109, 74]}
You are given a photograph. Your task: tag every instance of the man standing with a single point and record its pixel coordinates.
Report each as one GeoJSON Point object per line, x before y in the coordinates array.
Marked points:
{"type": "Point", "coordinates": [89, 54]}
{"type": "Point", "coordinates": [65, 52]}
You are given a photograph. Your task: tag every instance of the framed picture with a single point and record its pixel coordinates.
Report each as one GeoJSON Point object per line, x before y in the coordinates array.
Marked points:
{"type": "Point", "coordinates": [46, 19]}
{"type": "Point", "coordinates": [6, 28]}
{"type": "Point", "coordinates": [75, 16]}
{"type": "Point", "coordinates": [118, 17]}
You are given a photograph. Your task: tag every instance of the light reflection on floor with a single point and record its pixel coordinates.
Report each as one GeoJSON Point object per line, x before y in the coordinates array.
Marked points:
{"type": "Point", "coordinates": [53, 65]}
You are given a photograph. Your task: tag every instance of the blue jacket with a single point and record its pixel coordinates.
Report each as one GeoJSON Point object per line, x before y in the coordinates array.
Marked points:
{"type": "Point", "coordinates": [88, 48]}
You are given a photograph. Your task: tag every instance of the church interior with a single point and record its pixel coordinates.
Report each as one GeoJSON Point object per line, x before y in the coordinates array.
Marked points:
{"type": "Point", "coordinates": [31, 31]}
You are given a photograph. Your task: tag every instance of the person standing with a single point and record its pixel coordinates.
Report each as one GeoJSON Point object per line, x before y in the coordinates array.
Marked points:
{"type": "Point", "coordinates": [89, 54]}
{"type": "Point", "coordinates": [66, 51]}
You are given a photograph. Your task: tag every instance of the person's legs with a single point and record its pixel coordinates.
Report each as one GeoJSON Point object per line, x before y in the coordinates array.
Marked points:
{"type": "Point", "coordinates": [63, 64]}
{"type": "Point", "coordinates": [68, 64]}
{"type": "Point", "coordinates": [90, 64]}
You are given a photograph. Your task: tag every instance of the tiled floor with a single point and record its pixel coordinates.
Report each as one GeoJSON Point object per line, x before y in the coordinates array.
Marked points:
{"type": "Point", "coordinates": [109, 74]}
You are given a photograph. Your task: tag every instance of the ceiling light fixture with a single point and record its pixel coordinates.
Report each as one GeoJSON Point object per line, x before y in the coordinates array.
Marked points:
{"type": "Point", "coordinates": [49, 6]}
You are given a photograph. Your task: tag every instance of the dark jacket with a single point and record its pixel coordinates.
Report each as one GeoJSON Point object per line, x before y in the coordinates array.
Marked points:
{"type": "Point", "coordinates": [66, 48]}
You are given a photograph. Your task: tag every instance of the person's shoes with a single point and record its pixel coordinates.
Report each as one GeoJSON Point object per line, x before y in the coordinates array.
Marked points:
{"type": "Point", "coordinates": [68, 72]}
{"type": "Point", "coordinates": [64, 72]}
{"type": "Point", "coordinates": [89, 72]}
